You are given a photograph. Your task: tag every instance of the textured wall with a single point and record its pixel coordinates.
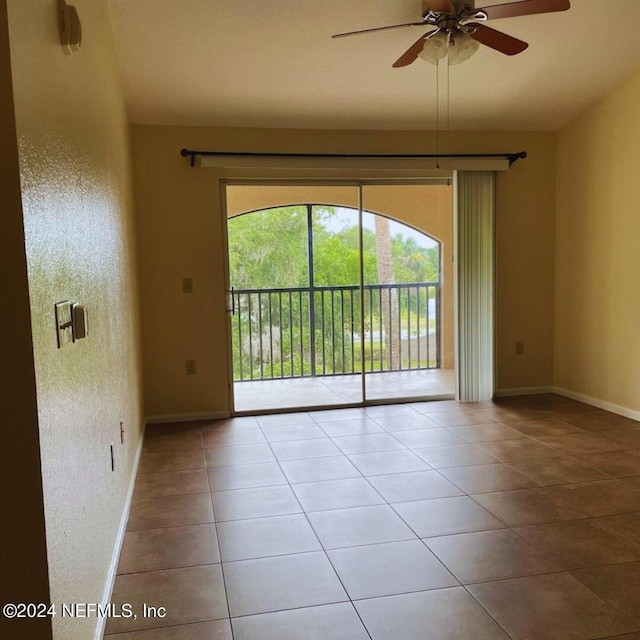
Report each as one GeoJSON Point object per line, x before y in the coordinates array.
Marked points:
{"type": "Point", "coordinates": [180, 234]}
{"type": "Point", "coordinates": [75, 173]}
{"type": "Point", "coordinates": [598, 227]}
{"type": "Point", "coordinates": [22, 535]}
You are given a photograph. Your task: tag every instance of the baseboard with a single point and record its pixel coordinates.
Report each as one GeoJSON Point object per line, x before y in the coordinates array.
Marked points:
{"type": "Point", "coordinates": [597, 402]}
{"type": "Point", "coordinates": [187, 417]}
{"type": "Point", "coordinates": [113, 568]}
{"type": "Point", "coordinates": [522, 391]}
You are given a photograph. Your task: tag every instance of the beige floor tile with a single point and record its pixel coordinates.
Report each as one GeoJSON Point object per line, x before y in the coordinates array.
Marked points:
{"type": "Point", "coordinates": [186, 439]}
{"type": "Point", "coordinates": [384, 462]}
{"type": "Point", "coordinates": [552, 471]}
{"type": "Point", "coordinates": [521, 449]}
{"type": "Point", "coordinates": [240, 454]}
{"type": "Point", "coordinates": [438, 437]}
{"type": "Point", "coordinates": [242, 422]}
{"type": "Point", "coordinates": [444, 406]}
{"type": "Point", "coordinates": [445, 516]}
{"type": "Point", "coordinates": [543, 427]}
{"type": "Point", "coordinates": [529, 506]}
{"type": "Point", "coordinates": [259, 502]}
{"type": "Point", "coordinates": [387, 410]}
{"type": "Point", "coordinates": [171, 461]}
{"type": "Point", "coordinates": [549, 607]}
{"type": "Point", "coordinates": [603, 497]}
{"type": "Point", "coordinates": [461, 418]}
{"type": "Point", "coordinates": [285, 419]}
{"type": "Point", "coordinates": [213, 437]}
{"type": "Point", "coordinates": [582, 543]}
{"type": "Point", "coordinates": [193, 594]}
{"type": "Point", "coordinates": [350, 427]}
{"type": "Point", "coordinates": [368, 443]}
{"type": "Point", "coordinates": [486, 432]}
{"type": "Point", "coordinates": [311, 623]}
{"type": "Point", "coordinates": [168, 548]}
{"type": "Point", "coordinates": [359, 526]}
{"type": "Point", "coordinates": [336, 494]}
{"type": "Point", "coordinates": [619, 464]}
{"type": "Point", "coordinates": [618, 584]}
{"type": "Point", "coordinates": [265, 537]}
{"type": "Point", "coordinates": [170, 511]}
{"type": "Point", "coordinates": [285, 582]}
{"type": "Point", "coordinates": [301, 449]}
{"type": "Point", "coordinates": [627, 525]}
{"type": "Point", "coordinates": [317, 469]}
{"type": "Point", "coordinates": [171, 483]}
{"type": "Point", "coordinates": [487, 477]}
{"type": "Point", "coordinates": [215, 630]}
{"type": "Point", "coordinates": [389, 569]}
{"type": "Point", "coordinates": [575, 444]}
{"type": "Point", "coordinates": [491, 555]}
{"type": "Point", "coordinates": [596, 420]}
{"type": "Point", "coordinates": [629, 438]}
{"type": "Point", "coordinates": [502, 414]}
{"type": "Point", "coordinates": [331, 415]}
{"type": "Point", "coordinates": [457, 455]}
{"type": "Point", "coordinates": [411, 422]}
{"type": "Point", "coordinates": [443, 614]}
{"type": "Point", "coordinates": [417, 485]}
{"type": "Point", "coordinates": [245, 476]}
{"type": "Point", "coordinates": [286, 432]}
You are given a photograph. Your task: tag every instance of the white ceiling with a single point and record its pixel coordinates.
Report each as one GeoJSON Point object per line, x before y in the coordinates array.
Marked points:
{"type": "Point", "coordinates": [272, 63]}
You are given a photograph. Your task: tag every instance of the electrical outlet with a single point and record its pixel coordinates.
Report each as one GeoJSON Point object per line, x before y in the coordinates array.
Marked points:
{"type": "Point", "coordinates": [121, 432]}
{"type": "Point", "coordinates": [190, 367]}
{"type": "Point", "coordinates": [113, 461]}
{"type": "Point", "coordinates": [520, 348]}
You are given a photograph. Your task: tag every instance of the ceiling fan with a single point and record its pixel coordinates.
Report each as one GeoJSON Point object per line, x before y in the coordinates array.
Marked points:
{"type": "Point", "coordinates": [459, 29]}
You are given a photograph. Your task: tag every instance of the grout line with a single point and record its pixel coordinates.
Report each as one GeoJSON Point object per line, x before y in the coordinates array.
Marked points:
{"type": "Point", "coordinates": [224, 582]}
{"type": "Point", "coordinates": [325, 552]}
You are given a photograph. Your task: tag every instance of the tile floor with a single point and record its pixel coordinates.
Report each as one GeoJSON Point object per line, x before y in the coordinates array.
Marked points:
{"type": "Point", "coordinates": [516, 519]}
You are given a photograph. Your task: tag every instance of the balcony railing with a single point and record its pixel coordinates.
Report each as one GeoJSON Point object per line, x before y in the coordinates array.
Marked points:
{"type": "Point", "coordinates": [302, 332]}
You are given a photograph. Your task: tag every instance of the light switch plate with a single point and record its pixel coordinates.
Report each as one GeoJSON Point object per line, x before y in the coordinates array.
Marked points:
{"type": "Point", "coordinates": [64, 325]}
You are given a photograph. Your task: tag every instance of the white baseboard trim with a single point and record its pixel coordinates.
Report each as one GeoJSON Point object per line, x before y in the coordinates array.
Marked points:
{"type": "Point", "coordinates": [597, 402]}
{"type": "Point", "coordinates": [522, 391]}
{"type": "Point", "coordinates": [187, 417]}
{"type": "Point", "coordinates": [113, 568]}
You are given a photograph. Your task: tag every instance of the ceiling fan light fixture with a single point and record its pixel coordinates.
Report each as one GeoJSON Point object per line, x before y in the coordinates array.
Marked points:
{"type": "Point", "coordinates": [435, 48]}
{"type": "Point", "coordinates": [461, 48]}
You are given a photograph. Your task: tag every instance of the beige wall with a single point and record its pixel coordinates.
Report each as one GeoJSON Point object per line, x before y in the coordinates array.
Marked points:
{"type": "Point", "coordinates": [426, 208]}
{"type": "Point", "coordinates": [597, 350]}
{"type": "Point", "coordinates": [180, 235]}
{"type": "Point", "coordinates": [75, 173]}
{"type": "Point", "coordinates": [25, 576]}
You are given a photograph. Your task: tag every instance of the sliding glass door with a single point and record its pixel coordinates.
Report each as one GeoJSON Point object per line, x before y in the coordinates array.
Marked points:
{"type": "Point", "coordinates": [340, 295]}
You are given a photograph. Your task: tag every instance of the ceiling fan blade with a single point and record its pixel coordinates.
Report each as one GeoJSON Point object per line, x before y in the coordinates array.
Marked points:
{"type": "Point", "coordinates": [413, 51]}
{"type": "Point", "coordinates": [497, 40]}
{"type": "Point", "coordinates": [524, 8]}
{"type": "Point", "coordinates": [391, 26]}
{"type": "Point", "coordinates": [437, 5]}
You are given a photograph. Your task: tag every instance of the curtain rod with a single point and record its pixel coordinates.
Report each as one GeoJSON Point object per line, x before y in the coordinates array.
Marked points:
{"type": "Point", "coordinates": [190, 153]}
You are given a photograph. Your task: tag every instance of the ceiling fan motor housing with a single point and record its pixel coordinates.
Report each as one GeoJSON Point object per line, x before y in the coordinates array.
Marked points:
{"type": "Point", "coordinates": [464, 4]}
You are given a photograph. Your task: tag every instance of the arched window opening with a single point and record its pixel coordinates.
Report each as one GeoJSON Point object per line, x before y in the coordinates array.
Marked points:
{"type": "Point", "coordinates": [298, 307]}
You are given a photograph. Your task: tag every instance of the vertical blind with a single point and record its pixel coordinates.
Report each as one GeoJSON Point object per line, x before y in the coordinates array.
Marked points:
{"type": "Point", "coordinates": [474, 193]}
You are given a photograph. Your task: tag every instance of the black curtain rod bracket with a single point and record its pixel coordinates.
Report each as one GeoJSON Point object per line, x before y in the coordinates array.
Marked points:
{"type": "Point", "coordinates": [191, 154]}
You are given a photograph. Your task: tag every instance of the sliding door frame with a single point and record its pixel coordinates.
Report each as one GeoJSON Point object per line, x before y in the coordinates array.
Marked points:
{"type": "Point", "coordinates": [358, 183]}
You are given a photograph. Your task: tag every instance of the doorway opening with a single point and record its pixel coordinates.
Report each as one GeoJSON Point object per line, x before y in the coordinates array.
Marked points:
{"type": "Point", "coordinates": [341, 295]}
